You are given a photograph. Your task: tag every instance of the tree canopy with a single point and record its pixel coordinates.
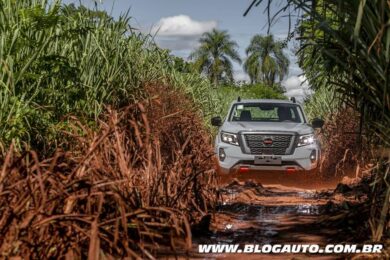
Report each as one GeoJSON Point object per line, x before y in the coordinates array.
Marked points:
{"type": "Point", "coordinates": [266, 60]}
{"type": "Point", "coordinates": [215, 55]}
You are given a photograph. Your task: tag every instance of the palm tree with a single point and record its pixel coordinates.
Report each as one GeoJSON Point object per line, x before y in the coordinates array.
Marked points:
{"type": "Point", "coordinates": [215, 55]}
{"type": "Point", "coordinates": [266, 60]}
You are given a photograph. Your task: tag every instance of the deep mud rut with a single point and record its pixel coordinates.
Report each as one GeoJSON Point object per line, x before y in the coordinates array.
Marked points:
{"type": "Point", "coordinates": [275, 209]}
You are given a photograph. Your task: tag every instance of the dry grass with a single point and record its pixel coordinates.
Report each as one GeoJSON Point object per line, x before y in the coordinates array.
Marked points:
{"type": "Point", "coordinates": [129, 189]}
{"type": "Point", "coordinates": [344, 152]}
{"type": "Point", "coordinates": [340, 145]}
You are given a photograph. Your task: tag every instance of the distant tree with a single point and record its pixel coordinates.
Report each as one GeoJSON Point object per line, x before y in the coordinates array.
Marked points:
{"type": "Point", "coordinates": [266, 60]}
{"type": "Point", "coordinates": [180, 65]}
{"type": "Point", "coordinates": [215, 55]}
{"type": "Point", "coordinates": [72, 9]}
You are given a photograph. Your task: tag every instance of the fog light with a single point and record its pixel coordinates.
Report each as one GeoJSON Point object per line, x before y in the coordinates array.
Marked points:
{"type": "Point", "coordinates": [222, 154]}
{"type": "Point", "coordinates": [313, 156]}
{"type": "Point", "coordinates": [291, 170]}
{"type": "Point", "coordinates": [244, 169]}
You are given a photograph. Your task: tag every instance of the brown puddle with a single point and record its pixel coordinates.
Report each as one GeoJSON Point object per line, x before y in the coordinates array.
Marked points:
{"type": "Point", "coordinates": [282, 209]}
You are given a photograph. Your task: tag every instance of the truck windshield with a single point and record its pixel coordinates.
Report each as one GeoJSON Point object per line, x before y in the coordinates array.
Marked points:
{"type": "Point", "coordinates": [266, 112]}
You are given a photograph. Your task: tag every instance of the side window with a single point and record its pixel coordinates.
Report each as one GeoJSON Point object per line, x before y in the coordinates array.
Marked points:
{"type": "Point", "coordinates": [294, 114]}
{"type": "Point", "coordinates": [301, 115]}
{"type": "Point", "coordinates": [237, 112]}
{"type": "Point", "coordinates": [297, 115]}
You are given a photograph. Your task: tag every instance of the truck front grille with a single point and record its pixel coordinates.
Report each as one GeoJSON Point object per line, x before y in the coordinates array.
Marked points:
{"type": "Point", "coordinates": [261, 143]}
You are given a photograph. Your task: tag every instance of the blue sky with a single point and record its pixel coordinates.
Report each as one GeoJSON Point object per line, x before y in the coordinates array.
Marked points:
{"type": "Point", "coordinates": [178, 25]}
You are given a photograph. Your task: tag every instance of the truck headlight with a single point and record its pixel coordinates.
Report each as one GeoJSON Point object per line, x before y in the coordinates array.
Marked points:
{"type": "Point", "coordinates": [229, 138]}
{"type": "Point", "coordinates": [306, 140]}
{"type": "Point", "coordinates": [222, 154]}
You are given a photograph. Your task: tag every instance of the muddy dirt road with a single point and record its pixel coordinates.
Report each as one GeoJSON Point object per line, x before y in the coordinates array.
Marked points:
{"type": "Point", "coordinates": [259, 209]}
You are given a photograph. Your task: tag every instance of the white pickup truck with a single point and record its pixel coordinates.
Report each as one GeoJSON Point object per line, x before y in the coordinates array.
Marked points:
{"type": "Point", "coordinates": [265, 134]}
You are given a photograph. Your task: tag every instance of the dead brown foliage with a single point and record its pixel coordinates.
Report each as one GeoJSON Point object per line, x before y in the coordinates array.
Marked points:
{"type": "Point", "coordinates": [127, 189]}
{"type": "Point", "coordinates": [339, 139]}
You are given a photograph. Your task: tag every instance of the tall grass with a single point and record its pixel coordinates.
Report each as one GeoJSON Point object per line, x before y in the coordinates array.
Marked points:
{"type": "Point", "coordinates": [345, 47]}
{"type": "Point", "coordinates": [132, 188]}
{"type": "Point", "coordinates": [322, 103]}
{"type": "Point", "coordinates": [79, 79]}
{"type": "Point", "coordinates": [58, 60]}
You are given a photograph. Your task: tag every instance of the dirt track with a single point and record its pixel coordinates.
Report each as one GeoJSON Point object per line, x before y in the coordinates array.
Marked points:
{"type": "Point", "coordinates": [283, 209]}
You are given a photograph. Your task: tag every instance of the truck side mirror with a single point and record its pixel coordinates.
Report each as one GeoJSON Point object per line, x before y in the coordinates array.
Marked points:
{"type": "Point", "coordinates": [317, 123]}
{"type": "Point", "coordinates": [216, 121]}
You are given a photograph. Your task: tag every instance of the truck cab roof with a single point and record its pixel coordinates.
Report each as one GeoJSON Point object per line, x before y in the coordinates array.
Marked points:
{"type": "Point", "coordinates": [248, 101]}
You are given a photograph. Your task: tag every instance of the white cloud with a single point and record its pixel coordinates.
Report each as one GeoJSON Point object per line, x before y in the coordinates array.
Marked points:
{"type": "Point", "coordinates": [178, 43]}
{"type": "Point", "coordinates": [180, 32]}
{"type": "Point", "coordinates": [297, 86]}
{"type": "Point", "coordinates": [182, 25]}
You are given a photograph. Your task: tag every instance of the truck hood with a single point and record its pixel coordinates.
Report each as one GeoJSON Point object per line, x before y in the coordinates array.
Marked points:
{"type": "Point", "coordinates": [235, 127]}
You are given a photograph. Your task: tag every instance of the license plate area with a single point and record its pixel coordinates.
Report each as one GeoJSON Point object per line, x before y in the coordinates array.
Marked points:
{"type": "Point", "coordinates": [268, 160]}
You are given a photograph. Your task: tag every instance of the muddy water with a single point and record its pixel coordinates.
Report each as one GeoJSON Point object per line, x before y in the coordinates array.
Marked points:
{"type": "Point", "coordinates": [271, 208]}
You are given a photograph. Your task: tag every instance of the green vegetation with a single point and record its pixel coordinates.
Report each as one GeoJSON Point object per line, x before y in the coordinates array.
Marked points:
{"type": "Point", "coordinates": [266, 60]}
{"type": "Point", "coordinates": [135, 164]}
{"type": "Point", "coordinates": [226, 94]}
{"type": "Point", "coordinates": [345, 53]}
{"type": "Point", "coordinates": [213, 57]}
{"type": "Point", "coordinates": [59, 61]}
{"type": "Point", "coordinates": [347, 49]}
{"type": "Point", "coordinates": [62, 60]}
{"type": "Point", "coordinates": [322, 103]}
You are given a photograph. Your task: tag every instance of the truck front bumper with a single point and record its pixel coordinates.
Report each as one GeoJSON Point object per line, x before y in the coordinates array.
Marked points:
{"type": "Point", "coordinates": [231, 159]}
